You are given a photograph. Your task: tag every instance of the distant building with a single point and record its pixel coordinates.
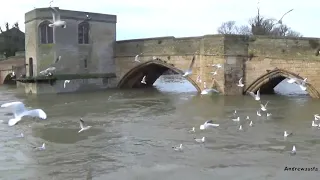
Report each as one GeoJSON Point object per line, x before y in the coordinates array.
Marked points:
{"type": "Point", "coordinates": [11, 41]}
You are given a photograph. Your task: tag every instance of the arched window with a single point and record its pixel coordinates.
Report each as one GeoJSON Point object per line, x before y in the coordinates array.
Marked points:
{"type": "Point", "coordinates": [45, 33]}
{"type": "Point", "coordinates": [83, 33]}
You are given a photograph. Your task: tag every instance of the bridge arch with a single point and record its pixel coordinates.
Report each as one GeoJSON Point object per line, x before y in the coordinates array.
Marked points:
{"type": "Point", "coordinates": [267, 82]}
{"type": "Point", "coordinates": [9, 80]}
{"type": "Point", "coordinates": [153, 69]}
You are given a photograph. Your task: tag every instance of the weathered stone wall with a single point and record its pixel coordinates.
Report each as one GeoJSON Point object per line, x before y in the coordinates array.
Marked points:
{"type": "Point", "coordinates": [15, 62]}
{"type": "Point", "coordinates": [173, 51]}
{"type": "Point", "coordinates": [241, 56]}
{"type": "Point", "coordinates": [296, 55]}
{"type": "Point", "coordinates": [75, 85]}
{"type": "Point", "coordinates": [99, 53]}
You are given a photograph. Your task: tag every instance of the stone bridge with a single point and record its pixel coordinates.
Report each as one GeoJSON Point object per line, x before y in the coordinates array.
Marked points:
{"type": "Point", "coordinates": [16, 64]}
{"type": "Point", "coordinates": [261, 61]}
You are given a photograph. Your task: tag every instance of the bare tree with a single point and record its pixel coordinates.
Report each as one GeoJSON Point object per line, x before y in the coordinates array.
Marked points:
{"type": "Point", "coordinates": [7, 26]}
{"type": "Point", "coordinates": [258, 25]}
{"type": "Point", "coordinates": [228, 27]}
{"type": "Point", "coordinates": [244, 30]}
{"type": "Point", "coordinates": [16, 25]}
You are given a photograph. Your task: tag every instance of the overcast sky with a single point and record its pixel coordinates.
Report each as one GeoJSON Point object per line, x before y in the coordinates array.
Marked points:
{"type": "Point", "coordinates": [179, 18]}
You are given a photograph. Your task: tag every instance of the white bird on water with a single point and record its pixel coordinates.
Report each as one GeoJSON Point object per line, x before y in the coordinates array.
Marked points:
{"type": "Point", "coordinates": [180, 148]}
{"type": "Point", "coordinates": [136, 59]}
{"type": "Point", "coordinates": [19, 111]}
{"type": "Point", "coordinates": [247, 118]}
{"type": "Point", "coordinates": [269, 114]}
{"type": "Point", "coordinates": [56, 19]}
{"type": "Point", "coordinates": [235, 112]}
{"type": "Point", "coordinates": [82, 126]}
{"type": "Point", "coordinates": [43, 147]}
{"type": "Point", "coordinates": [285, 134]}
{"type": "Point", "coordinates": [240, 128]}
{"type": "Point", "coordinates": [314, 124]}
{"type": "Point", "coordinates": [193, 129]}
{"type": "Point", "coordinates": [264, 107]}
{"type": "Point", "coordinates": [143, 81]}
{"type": "Point", "coordinates": [208, 124]}
{"type": "Point", "coordinates": [189, 70]}
{"type": "Point", "coordinates": [207, 91]}
{"type": "Point", "coordinates": [294, 150]}
{"type": "Point", "coordinates": [65, 83]}
{"type": "Point", "coordinates": [240, 84]}
{"type": "Point", "coordinates": [21, 135]}
{"type": "Point", "coordinates": [236, 119]}
{"type": "Point", "coordinates": [202, 140]}
{"type": "Point", "coordinates": [258, 113]}
{"type": "Point", "coordinates": [251, 124]}
{"type": "Point", "coordinates": [255, 96]}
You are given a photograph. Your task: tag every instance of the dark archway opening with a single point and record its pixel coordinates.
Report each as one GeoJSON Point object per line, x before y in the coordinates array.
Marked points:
{"type": "Point", "coordinates": [152, 71]}
{"type": "Point", "coordinates": [279, 85]}
{"type": "Point", "coordinates": [9, 80]}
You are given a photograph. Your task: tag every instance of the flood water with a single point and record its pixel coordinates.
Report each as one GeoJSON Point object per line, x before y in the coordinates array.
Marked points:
{"type": "Point", "coordinates": [134, 130]}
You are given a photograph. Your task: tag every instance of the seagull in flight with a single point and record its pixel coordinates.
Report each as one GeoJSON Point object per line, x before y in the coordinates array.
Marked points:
{"type": "Point", "coordinates": [208, 124]}
{"type": "Point", "coordinates": [214, 73]}
{"type": "Point", "coordinates": [316, 117]}
{"type": "Point", "coordinates": [189, 70]}
{"type": "Point", "coordinates": [198, 79]}
{"type": "Point", "coordinates": [82, 126]}
{"type": "Point", "coordinates": [56, 19]}
{"type": "Point", "coordinates": [255, 96]}
{"type": "Point", "coordinates": [143, 81]}
{"type": "Point", "coordinates": [47, 71]}
{"type": "Point", "coordinates": [264, 107]}
{"type": "Point", "coordinates": [180, 148]}
{"type": "Point", "coordinates": [58, 59]}
{"type": "Point", "coordinates": [217, 65]}
{"type": "Point", "coordinates": [65, 83]}
{"type": "Point", "coordinates": [301, 83]}
{"type": "Point", "coordinates": [12, 74]}
{"type": "Point", "coordinates": [136, 59]}
{"type": "Point", "coordinates": [19, 111]}
{"type": "Point", "coordinates": [240, 84]}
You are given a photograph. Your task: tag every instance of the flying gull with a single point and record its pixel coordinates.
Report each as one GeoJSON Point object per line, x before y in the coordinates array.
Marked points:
{"type": "Point", "coordinates": [19, 111]}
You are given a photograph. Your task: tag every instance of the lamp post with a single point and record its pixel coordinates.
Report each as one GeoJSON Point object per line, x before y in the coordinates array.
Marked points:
{"type": "Point", "coordinates": [280, 20]}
